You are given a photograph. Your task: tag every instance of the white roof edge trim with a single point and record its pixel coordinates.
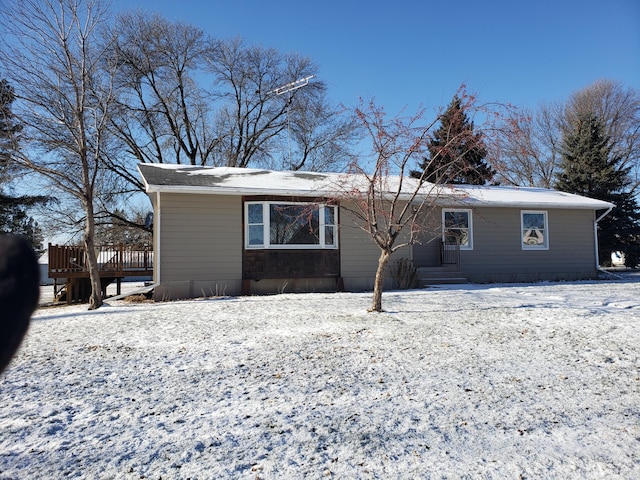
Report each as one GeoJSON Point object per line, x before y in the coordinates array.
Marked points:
{"type": "Point", "coordinates": [442, 199]}
{"type": "Point", "coordinates": [144, 180]}
{"type": "Point", "coordinates": [528, 204]}
{"type": "Point", "coordinates": [237, 191]}
{"type": "Point", "coordinates": [240, 191]}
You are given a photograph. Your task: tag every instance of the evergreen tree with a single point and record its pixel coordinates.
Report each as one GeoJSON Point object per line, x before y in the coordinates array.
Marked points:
{"type": "Point", "coordinates": [590, 168]}
{"type": "Point", "coordinates": [14, 219]}
{"type": "Point", "coordinates": [13, 209]}
{"type": "Point", "coordinates": [9, 128]}
{"type": "Point", "coordinates": [456, 152]}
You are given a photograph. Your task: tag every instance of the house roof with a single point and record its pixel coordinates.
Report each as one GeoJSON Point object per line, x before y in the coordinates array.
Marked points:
{"type": "Point", "coordinates": [247, 181]}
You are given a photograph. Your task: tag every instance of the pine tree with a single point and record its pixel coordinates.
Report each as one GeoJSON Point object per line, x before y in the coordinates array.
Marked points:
{"type": "Point", "coordinates": [9, 128]}
{"type": "Point", "coordinates": [456, 152]}
{"type": "Point", "coordinates": [13, 209]}
{"type": "Point", "coordinates": [590, 168]}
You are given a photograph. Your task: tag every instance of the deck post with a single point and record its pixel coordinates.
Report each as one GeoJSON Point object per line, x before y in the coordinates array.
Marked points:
{"type": "Point", "coordinates": [69, 288]}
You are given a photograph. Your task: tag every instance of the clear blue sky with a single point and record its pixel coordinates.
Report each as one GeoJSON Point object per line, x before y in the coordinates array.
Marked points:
{"type": "Point", "coordinates": [407, 53]}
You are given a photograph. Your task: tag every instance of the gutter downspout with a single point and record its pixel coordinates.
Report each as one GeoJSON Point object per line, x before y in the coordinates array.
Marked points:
{"type": "Point", "coordinates": [157, 218]}
{"type": "Point", "coordinates": [595, 235]}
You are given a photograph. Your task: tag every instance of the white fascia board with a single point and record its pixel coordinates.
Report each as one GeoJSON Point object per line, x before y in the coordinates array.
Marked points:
{"type": "Point", "coordinates": [473, 203]}
{"type": "Point", "coordinates": [237, 191]}
{"type": "Point", "coordinates": [144, 180]}
{"type": "Point", "coordinates": [441, 200]}
{"type": "Point", "coordinates": [448, 199]}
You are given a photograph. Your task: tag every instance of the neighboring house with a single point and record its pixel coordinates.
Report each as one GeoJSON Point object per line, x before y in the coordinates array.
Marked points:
{"type": "Point", "coordinates": [43, 265]}
{"type": "Point", "coordinates": [229, 231]}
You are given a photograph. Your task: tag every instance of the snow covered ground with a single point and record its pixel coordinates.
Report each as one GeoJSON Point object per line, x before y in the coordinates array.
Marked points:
{"type": "Point", "coordinates": [494, 381]}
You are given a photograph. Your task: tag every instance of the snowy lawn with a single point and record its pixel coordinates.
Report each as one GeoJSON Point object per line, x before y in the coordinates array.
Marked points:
{"type": "Point", "coordinates": [497, 381]}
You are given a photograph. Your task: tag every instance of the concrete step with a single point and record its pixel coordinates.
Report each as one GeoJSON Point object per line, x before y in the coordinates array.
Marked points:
{"type": "Point", "coordinates": [424, 282]}
{"type": "Point", "coordinates": [446, 274]}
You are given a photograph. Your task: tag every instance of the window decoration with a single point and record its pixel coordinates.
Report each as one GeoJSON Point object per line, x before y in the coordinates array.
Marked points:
{"type": "Point", "coordinates": [290, 225]}
{"type": "Point", "coordinates": [535, 231]}
{"type": "Point", "coordinates": [457, 229]}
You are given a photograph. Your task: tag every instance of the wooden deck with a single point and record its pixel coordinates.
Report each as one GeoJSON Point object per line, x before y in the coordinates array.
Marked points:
{"type": "Point", "coordinates": [69, 262]}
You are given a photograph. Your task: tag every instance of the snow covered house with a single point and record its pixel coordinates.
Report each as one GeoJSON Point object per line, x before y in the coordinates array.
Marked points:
{"type": "Point", "coordinates": [229, 231]}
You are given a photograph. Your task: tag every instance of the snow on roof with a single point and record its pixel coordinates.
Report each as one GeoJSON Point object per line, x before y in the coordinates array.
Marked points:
{"type": "Point", "coordinates": [526, 197]}
{"type": "Point", "coordinates": [241, 181]}
{"type": "Point", "coordinates": [248, 181]}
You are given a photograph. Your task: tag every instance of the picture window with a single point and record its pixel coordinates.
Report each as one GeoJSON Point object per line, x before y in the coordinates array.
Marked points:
{"type": "Point", "coordinates": [290, 225]}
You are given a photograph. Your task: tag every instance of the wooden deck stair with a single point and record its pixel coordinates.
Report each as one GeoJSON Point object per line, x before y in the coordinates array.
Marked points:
{"type": "Point", "coordinates": [80, 289]}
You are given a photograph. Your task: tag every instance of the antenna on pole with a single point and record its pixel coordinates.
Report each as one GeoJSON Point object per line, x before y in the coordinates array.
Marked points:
{"type": "Point", "coordinates": [289, 87]}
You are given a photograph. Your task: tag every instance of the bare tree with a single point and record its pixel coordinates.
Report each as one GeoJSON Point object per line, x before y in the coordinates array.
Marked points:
{"type": "Point", "coordinates": [386, 202]}
{"type": "Point", "coordinates": [52, 54]}
{"type": "Point", "coordinates": [619, 110]}
{"type": "Point", "coordinates": [186, 98]}
{"type": "Point", "coordinates": [164, 113]}
{"type": "Point", "coordinates": [252, 117]}
{"type": "Point", "coordinates": [529, 147]}
{"type": "Point", "coordinates": [319, 137]}
{"type": "Point", "coordinates": [123, 228]}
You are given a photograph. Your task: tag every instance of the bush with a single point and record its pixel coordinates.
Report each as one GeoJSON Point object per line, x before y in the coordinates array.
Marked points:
{"type": "Point", "coordinates": [404, 274]}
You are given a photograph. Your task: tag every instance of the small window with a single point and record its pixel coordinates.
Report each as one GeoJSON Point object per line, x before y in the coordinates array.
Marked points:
{"type": "Point", "coordinates": [535, 230]}
{"type": "Point", "coordinates": [329, 226]}
{"type": "Point", "coordinates": [290, 225]}
{"type": "Point", "coordinates": [457, 229]}
{"type": "Point", "coordinates": [255, 224]}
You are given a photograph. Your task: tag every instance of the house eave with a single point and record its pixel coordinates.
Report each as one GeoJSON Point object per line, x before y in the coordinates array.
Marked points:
{"type": "Point", "coordinates": [239, 182]}
{"type": "Point", "coordinates": [443, 200]}
{"type": "Point", "coordinates": [453, 202]}
{"type": "Point", "coordinates": [237, 191]}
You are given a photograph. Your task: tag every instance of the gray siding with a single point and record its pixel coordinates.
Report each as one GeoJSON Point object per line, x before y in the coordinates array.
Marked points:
{"type": "Point", "coordinates": [198, 242]}
{"type": "Point", "coordinates": [200, 245]}
{"type": "Point", "coordinates": [427, 252]}
{"type": "Point", "coordinates": [359, 255]}
{"type": "Point", "coordinates": [498, 255]}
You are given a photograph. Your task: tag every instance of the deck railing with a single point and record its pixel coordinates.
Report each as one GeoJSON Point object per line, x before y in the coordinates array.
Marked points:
{"type": "Point", "coordinates": [115, 260]}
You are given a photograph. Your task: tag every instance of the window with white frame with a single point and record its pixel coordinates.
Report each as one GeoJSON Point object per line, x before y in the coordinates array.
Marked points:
{"type": "Point", "coordinates": [457, 228]}
{"type": "Point", "coordinates": [275, 224]}
{"type": "Point", "coordinates": [534, 229]}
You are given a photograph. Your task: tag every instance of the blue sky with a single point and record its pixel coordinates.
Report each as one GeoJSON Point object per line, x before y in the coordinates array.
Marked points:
{"type": "Point", "coordinates": [411, 53]}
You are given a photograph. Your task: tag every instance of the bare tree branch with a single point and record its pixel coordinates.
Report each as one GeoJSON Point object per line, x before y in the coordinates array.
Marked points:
{"type": "Point", "coordinates": [383, 199]}
{"type": "Point", "coordinates": [53, 55]}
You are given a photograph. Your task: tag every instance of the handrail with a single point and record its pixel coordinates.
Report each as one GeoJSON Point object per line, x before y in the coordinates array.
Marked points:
{"type": "Point", "coordinates": [449, 253]}
{"type": "Point", "coordinates": [115, 258]}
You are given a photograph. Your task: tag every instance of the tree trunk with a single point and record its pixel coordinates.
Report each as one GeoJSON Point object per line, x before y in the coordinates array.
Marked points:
{"type": "Point", "coordinates": [378, 285]}
{"type": "Point", "coordinates": [95, 300]}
